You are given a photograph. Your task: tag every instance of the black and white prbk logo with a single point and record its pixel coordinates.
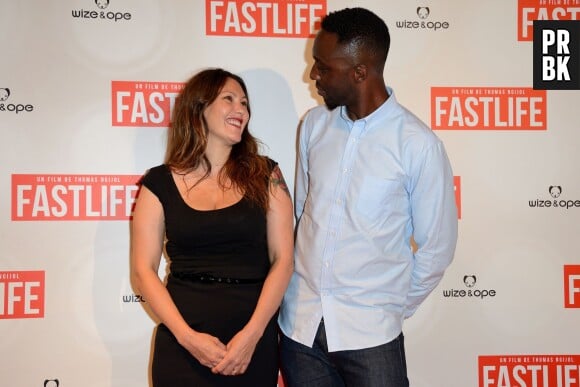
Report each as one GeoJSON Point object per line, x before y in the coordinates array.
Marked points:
{"type": "Point", "coordinates": [557, 54]}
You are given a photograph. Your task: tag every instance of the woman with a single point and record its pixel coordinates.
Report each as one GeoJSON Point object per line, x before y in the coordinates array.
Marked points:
{"type": "Point", "coordinates": [223, 214]}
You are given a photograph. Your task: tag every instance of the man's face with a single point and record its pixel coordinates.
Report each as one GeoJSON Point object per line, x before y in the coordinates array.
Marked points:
{"type": "Point", "coordinates": [333, 70]}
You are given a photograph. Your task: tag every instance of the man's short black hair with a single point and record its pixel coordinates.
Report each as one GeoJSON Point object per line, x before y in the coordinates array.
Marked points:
{"type": "Point", "coordinates": [362, 28]}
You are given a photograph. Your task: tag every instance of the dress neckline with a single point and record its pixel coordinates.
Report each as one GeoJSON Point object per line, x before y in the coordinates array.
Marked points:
{"type": "Point", "coordinates": [182, 200]}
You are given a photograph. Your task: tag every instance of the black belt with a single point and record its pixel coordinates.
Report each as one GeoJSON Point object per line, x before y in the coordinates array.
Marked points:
{"type": "Point", "coordinates": [208, 278]}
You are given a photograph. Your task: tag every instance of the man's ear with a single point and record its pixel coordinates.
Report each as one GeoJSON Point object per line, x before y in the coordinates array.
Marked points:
{"type": "Point", "coordinates": [360, 72]}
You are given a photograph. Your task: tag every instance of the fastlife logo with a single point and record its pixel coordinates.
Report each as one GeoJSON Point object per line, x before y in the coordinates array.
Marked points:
{"type": "Point", "coordinates": [57, 197]}
{"type": "Point", "coordinates": [265, 18]}
{"type": "Point", "coordinates": [22, 294]}
{"type": "Point", "coordinates": [562, 370]}
{"type": "Point", "coordinates": [571, 286]}
{"type": "Point", "coordinates": [488, 108]}
{"type": "Point", "coordinates": [143, 104]}
{"type": "Point", "coordinates": [557, 54]}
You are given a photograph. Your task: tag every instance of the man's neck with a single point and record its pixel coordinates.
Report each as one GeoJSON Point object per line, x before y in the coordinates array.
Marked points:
{"type": "Point", "coordinates": [370, 99]}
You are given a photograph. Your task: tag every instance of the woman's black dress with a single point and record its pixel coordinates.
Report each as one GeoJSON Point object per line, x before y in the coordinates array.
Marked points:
{"type": "Point", "coordinates": [221, 246]}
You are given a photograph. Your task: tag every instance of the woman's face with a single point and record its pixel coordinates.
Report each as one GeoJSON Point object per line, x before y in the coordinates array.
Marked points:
{"type": "Point", "coordinates": [227, 115]}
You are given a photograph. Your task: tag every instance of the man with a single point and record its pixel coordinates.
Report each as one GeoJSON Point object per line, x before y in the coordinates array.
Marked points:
{"type": "Point", "coordinates": [370, 177]}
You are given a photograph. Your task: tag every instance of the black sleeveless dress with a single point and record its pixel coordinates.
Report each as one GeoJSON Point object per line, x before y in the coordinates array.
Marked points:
{"type": "Point", "coordinates": [209, 251]}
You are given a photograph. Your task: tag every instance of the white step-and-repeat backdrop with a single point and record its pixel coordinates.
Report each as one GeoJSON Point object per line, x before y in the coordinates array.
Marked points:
{"type": "Point", "coordinates": [86, 88]}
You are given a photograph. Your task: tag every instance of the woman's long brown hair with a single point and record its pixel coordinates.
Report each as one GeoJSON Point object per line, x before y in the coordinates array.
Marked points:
{"type": "Point", "coordinates": [187, 139]}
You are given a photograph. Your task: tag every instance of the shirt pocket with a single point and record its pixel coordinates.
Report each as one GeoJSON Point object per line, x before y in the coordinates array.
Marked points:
{"type": "Point", "coordinates": [379, 198]}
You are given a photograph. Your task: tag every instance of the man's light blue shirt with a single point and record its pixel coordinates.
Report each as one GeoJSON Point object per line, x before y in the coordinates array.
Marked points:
{"type": "Point", "coordinates": [363, 188]}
